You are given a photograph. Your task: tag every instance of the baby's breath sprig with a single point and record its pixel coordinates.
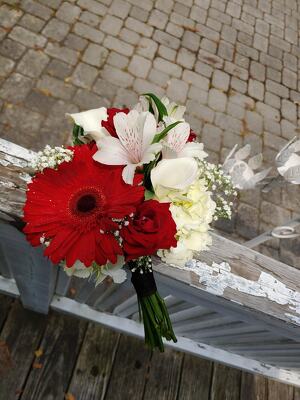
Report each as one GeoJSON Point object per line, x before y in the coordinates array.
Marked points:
{"type": "Point", "coordinates": [220, 184]}
{"type": "Point", "coordinates": [51, 158]}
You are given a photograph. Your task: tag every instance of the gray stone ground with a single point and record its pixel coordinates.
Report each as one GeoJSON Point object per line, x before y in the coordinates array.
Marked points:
{"type": "Point", "coordinates": [233, 63]}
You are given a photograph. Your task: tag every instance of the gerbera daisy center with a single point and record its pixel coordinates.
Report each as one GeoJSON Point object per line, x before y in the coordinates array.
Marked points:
{"type": "Point", "coordinates": [86, 203]}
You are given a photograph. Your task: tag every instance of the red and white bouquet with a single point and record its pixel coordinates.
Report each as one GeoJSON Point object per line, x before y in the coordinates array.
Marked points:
{"type": "Point", "coordinates": [134, 184]}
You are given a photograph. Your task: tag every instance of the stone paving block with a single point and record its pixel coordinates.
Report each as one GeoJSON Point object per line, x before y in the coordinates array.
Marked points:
{"type": "Point", "coordinates": [33, 63]}
{"type": "Point", "coordinates": [144, 4]}
{"type": "Point", "coordinates": [209, 45]}
{"type": "Point", "coordinates": [26, 37]}
{"type": "Point", "coordinates": [226, 51]}
{"type": "Point", "coordinates": [158, 19]}
{"type": "Point", "coordinates": [68, 12]}
{"type": "Point", "coordinates": [139, 66]}
{"type": "Point", "coordinates": [164, 5]}
{"type": "Point", "coordinates": [95, 55]}
{"type": "Point", "coordinates": [11, 49]}
{"type": "Point", "coordinates": [210, 59]}
{"type": "Point", "coordinates": [139, 27]}
{"type": "Point", "coordinates": [272, 100]}
{"type": "Point", "coordinates": [197, 94]}
{"type": "Point", "coordinates": [254, 122]}
{"type": "Point", "coordinates": [166, 39]}
{"type": "Point", "coordinates": [9, 16]}
{"type": "Point", "coordinates": [238, 85]}
{"type": "Point", "coordinates": [229, 34]}
{"type": "Point", "coordinates": [119, 8]}
{"type": "Point", "coordinates": [111, 25]}
{"type": "Point", "coordinates": [75, 42]}
{"type": "Point", "coordinates": [105, 89]}
{"type": "Point", "coordinates": [200, 111]}
{"type": "Point", "coordinates": [37, 9]}
{"type": "Point", "coordinates": [125, 98]}
{"type": "Point", "coordinates": [181, 9]}
{"type": "Point", "coordinates": [144, 86]}
{"type": "Point", "coordinates": [212, 136]}
{"type": "Point", "coordinates": [118, 45]}
{"type": "Point", "coordinates": [274, 215]}
{"type": "Point", "coordinates": [174, 30]}
{"type": "Point", "coordinates": [289, 110]}
{"type": "Point", "coordinates": [267, 111]}
{"type": "Point", "coordinates": [227, 122]}
{"type": "Point", "coordinates": [31, 22]}
{"type": "Point", "coordinates": [277, 88]}
{"type": "Point", "coordinates": [62, 53]}
{"type": "Point", "coordinates": [139, 14]}
{"type": "Point", "coordinates": [15, 88]}
{"type": "Point", "coordinates": [39, 102]}
{"type": "Point", "coordinates": [194, 79]}
{"type": "Point", "coordinates": [217, 100]}
{"type": "Point", "coordinates": [116, 76]}
{"type": "Point", "coordinates": [289, 78]}
{"type": "Point", "coordinates": [88, 32]}
{"type": "Point", "coordinates": [56, 30]}
{"type": "Point", "coordinates": [182, 21]}
{"type": "Point", "coordinates": [159, 78]}
{"type": "Point", "coordinates": [59, 69]}
{"type": "Point", "coordinates": [235, 110]}
{"type": "Point", "coordinates": [220, 80]}
{"type": "Point", "coordinates": [257, 71]}
{"type": "Point", "coordinates": [84, 76]}
{"type": "Point", "coordinates": [203, 69]}
{"type": "Point", "coordinates": [90, 19]}
{"type": "Point", "coordinates": [247, 221]}
{"type": "Point", "coordinates": [28, 121]}
{"type": "Point", "coordinates": [147, 48]}
{"type": "Point", "coordinates": [233, 9]}
{"type": "Point", "coordinates": [129, 36]}
{"type": "Point", "coordinates": [6, 66]}
{"type": "Point", "coordinates": [256, 89]}
{"type": "Point", "coordinates": [167, 67]}
{"type": "Point", "coordinates": [186, 58]}
{"type": "Point", "coordinates": [167, 53]}
{"type": "Point", "coordinates": [288, 129]}
{"type": "Point", "coordinates": [93, 6]}
{"type": "Point", "coordinates": [198, 14]}
{"type": "Point", "coordinates": [55, 87]}
{"type": "Point", "coordinates": [177, 90]}
{"type": "Point", "coordinates": [260, 42]}
{"type": "Point", "coordinates": [191, 41]}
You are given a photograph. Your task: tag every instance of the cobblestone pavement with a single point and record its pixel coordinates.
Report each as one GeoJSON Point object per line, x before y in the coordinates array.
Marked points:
{"type": "Point", "coordinates": [233, 63]}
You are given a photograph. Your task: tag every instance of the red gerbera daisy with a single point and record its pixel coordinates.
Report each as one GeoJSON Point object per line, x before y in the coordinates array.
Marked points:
{"type": "Point", "coordinates": [74, 207]}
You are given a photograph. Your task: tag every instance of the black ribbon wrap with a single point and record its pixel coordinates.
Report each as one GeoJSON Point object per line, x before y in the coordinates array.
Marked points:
{"type": "Point", "coordinates": [144, 284]}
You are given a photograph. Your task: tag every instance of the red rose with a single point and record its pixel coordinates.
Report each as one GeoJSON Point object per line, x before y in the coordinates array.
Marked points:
{"type": "Point", "coordinates": [109, 124]}
{"type": "Point", "coordinates": [152, 228]}
{"type": "Point", "coordinates": [192, 136]}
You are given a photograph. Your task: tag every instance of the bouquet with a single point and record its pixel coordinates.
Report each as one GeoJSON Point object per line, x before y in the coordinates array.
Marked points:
{"type": "Point", "coordinates": [135, 183]}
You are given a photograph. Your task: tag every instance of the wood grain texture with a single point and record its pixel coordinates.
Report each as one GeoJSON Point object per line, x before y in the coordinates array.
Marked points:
{"type": "Point", "coordinates": [279, 391]}
{"type": "Point", "coordinates": [164, 376]}
{"type": "Point", "coordinates": [60, 345]}
{"type": "Point", "coordinates": [130, 370]}
{"type": "Point", "coordinates": [225, 383]}
{"type": "Point", "coordinates": [196, 378]}
{"type": "Point", "coordinates": [254, 387]}
{"type": "Point", "coordinates": [5, 304]}
{"type": "Point", "coordinates": [93, 368]}
{"type": "Point", "coordinates": [21, 334]}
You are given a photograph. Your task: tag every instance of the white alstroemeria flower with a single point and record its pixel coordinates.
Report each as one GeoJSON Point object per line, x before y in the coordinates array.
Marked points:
{"type": "Point", "coordinates": [176, 144]}
{"type": "Point", "coordinates": [241, 172]}
{"type": "Point", "coordinates": [133, 147]}
{"type": "Point", "coordinates": [90, 121]}
{"type": "Point", "coordinates": [174, 110]}
{"type": "Point", "coordinates": [288, 162]}
{"type": "Point", "coordinates": [173, 174]}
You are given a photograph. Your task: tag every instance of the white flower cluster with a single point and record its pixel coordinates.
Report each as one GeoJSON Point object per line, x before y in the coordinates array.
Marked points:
{"type": "Point", "coordinates": [221, 186]}
{"type": "Point", "coordinates": [51, 158]}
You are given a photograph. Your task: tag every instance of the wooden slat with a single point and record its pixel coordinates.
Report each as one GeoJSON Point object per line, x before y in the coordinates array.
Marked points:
{"type": "Point", "coordinates": [5, 270]}
{"type": "Point", "coordinates": [93, 368]}
{"type": "Point", "coordinates": [225, 383]}
{"type": "Point", "coordinates": [21, 334]}
{"type": "Point", "coordinates": [133, 357]}
{"type": "Point", "coordinates": [254, 387]}
{"type": "Point", "coordinates": [279, 391]}
{"type": "Point", "coordinates": [195, 379]}
{"type": "Point", "coordinates": [34, 274]}
{"type": "Point", "coordinates": [5, 304]}
{"type": "Point", "coordinates": [164, 374]}
{"type": "Point", "coordinates": [60, 345]}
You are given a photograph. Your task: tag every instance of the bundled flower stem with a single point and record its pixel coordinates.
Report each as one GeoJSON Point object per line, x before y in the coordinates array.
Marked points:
{"type": "Point", "coordinates": [152, 308]}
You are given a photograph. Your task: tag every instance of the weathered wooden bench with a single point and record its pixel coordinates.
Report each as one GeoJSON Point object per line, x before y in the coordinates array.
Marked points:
{"type": "Point", "coordinates": [238, 307]}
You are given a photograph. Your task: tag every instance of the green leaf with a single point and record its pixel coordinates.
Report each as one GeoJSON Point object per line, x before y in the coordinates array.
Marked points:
{"type": "Point", "coordinates": [77, 131]}
{"type": "Point", "coordinates": [149, 195]}
{"type": "Point", "coordinates": [163, 134]}
{"type": "Point", "coordinates": [162, 111]}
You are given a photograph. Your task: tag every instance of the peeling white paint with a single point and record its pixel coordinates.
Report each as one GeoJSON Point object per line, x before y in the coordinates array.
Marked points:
{"type": "Point", "coordinates": [293, 318]}
{"type": "Point", "coordinates": [218, 277]}
{"type": "Point", "coordinates": [15, 150]}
